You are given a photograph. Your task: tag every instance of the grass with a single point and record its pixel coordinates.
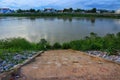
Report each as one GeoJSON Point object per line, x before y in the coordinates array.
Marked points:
{"type": "Point", "coordinates": [62, 15]}
{"type": "Point", "coordinates": [109, 43]}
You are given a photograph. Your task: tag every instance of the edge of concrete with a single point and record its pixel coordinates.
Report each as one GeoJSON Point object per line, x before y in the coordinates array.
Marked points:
{"type": "Point", "coordinates": [7, 75]}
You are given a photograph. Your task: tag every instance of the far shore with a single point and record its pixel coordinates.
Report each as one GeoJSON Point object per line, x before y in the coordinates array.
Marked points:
{"type": "Point", "coordinates": [105, 15]}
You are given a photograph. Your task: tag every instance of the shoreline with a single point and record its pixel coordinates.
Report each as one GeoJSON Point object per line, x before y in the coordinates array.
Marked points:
{"type": "Point", "coordinates": [93, 15]}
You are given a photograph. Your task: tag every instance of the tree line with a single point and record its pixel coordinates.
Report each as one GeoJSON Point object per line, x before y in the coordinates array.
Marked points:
{"type": "Point", "coordinates": [93, 10]}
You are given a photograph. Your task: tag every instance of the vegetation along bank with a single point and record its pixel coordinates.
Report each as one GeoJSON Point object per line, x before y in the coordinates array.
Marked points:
{"type": "Point", "coordinates": [61, 15]}
{"type": "Point", "coordinates": [15, 50]}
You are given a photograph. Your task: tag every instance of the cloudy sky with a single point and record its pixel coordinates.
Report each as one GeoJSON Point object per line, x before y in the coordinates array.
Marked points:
{"type": "Point", "coordinates": [60, 4]}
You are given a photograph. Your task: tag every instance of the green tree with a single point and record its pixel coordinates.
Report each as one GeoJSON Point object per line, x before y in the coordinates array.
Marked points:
{"type": "Point", "coordinates": [93, 10]}
{"type": "Point", "coordinates": [38, 10]}
{"type": "Point", "coordinates": [70, 9]}
{"type": "Point", "coordinates": [19, 11]}
{"type": "Point", "coordinates": [32, 10]}
{"type": "Point", "coordinates": [65, 10]}
{"type": "Point", "coordinates": [77, 10]}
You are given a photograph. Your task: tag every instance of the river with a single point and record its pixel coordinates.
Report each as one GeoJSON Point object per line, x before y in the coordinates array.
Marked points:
{"type": "Point", "coordinates": [55, 29]}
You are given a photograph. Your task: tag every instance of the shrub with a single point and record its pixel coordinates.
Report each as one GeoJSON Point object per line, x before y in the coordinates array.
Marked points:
{"type": "Point", "coordinates": [65, 46]}
{"type": "Point", "coordinates": [56, 46]}
{"type": "Point", "coordinates": [118, 34]}
{"type": "Point", "coordinates": [43, 45]}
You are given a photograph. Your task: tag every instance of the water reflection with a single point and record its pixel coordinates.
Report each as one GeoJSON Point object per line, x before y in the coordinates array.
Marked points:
{"type": "Point", "coordinates": [92, 20]}
{"type": "Point", "coordinates": [32, 18]}
{"type": "Point", "coordinates": [65, 19]}
{"type": "Point", "coordinates": [55, 29]}
{"type": "Point", "coordinates": [117, 21]}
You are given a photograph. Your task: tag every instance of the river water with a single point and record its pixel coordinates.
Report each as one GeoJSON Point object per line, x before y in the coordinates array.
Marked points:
{"type": "Point", "coordinates": [56, 29]}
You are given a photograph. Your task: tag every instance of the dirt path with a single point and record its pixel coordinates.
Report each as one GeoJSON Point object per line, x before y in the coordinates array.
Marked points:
{"type": "Point", "coordinates": [69, 65]}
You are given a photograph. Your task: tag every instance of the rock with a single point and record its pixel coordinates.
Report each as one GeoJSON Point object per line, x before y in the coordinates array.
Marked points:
{"type": "Point", "coordinates": [105, 55]}
{"type": "Point", "coordinates": [118, 59]}
{"type": "Point", "coordinates": [1, 60]}
{"type": "Point", "coordinates": [12, 60]}
{"type": "Point", "coordinates": [17, 57]}
{"type": "Point", "coordinates": [30, 55]}
{"type": "Point", "coordinates": [100, 62]}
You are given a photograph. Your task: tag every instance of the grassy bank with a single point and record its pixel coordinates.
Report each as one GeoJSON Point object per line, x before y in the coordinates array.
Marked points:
{"type": "Point", "coordinates": [109, 43]}
{"type": "Point", "coordinates": [61, 15]}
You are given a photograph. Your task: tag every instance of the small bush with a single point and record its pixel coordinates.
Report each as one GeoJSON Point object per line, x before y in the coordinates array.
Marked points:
{"type": "Point", "coordinates": [56, 46]}
{"type": "Point", "coordinates": [43, 45]}
{"type": "Point", "coordinates": [65, 46]}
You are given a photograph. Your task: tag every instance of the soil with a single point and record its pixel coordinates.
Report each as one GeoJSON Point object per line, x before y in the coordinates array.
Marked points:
{"type": "Point", "coordinates": [69, 65]}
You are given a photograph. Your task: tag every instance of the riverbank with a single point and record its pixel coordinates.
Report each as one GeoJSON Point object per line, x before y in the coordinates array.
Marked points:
{"type": "Point", "coordinates": [109, 43]}
{"type": "Point", "coordinates": [16, 50]}
{"type": "Point", "coordinates": [93, 15]}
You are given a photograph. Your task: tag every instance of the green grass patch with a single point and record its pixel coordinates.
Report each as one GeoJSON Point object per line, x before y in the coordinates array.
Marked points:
{"type": "Point", "coordinates": [109, 43]}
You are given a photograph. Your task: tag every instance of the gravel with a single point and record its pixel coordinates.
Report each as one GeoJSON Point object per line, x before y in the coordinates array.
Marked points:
{"type": "Point", "coordinates": [12, 60]}
{"type": "Point", "coordinates": [115, 58]}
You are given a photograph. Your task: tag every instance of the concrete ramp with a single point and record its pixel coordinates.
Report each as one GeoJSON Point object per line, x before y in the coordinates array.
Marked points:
{"type": "Point", "coordinates": [69, 65]}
